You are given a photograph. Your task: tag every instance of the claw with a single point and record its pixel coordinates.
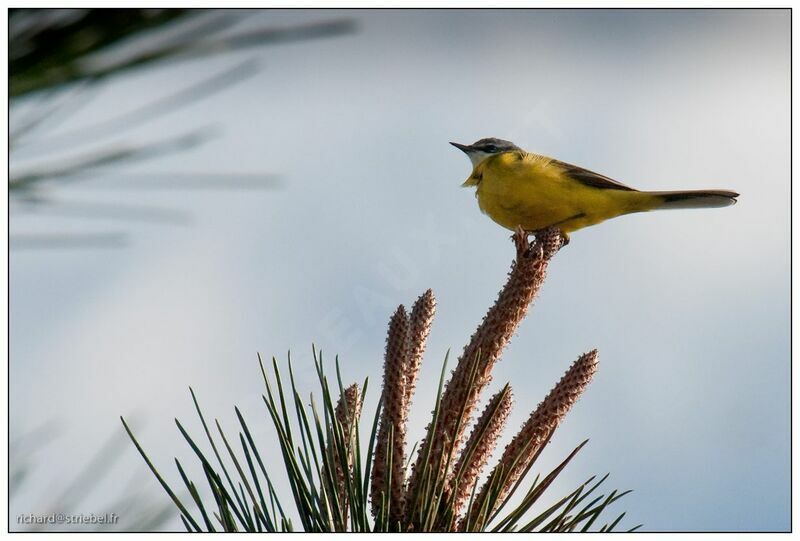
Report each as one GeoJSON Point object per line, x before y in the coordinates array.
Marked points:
{"type": "Point", "coordinates": [550, 240]}
{"type": "Point", "coordinates": [520, 238]}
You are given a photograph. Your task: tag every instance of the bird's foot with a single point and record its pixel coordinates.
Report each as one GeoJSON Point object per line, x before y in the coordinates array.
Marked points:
{"type": "Point", "coordinates": [521, 241]}
{"type": "Point", "coordinates": [550, 240]}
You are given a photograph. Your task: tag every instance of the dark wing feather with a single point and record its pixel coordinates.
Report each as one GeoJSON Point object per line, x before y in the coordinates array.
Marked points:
{"type": "Point", "coordinates": [590, 178]}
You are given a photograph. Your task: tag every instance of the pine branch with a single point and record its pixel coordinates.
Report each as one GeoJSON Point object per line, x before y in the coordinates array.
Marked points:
{"type": "Point", "coordinates": [420, 327]}
{"type": "Point", "coordinates": [388, 475]}
{"type": "Point", "coordinates": [348, 410]}
{"type": "Point", "coordinates": [462, 392]}
{"type": "Point", "coordinates": [480, 446]}
{"type": "Point", "coordinates": [533, 435]}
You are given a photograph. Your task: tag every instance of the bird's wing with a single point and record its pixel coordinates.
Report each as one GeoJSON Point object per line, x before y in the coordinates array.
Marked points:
{"type": "Point", "coordinates": [590, 178]}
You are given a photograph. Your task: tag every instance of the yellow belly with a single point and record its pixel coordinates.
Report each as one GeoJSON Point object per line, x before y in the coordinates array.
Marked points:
{"type": "Point", "coordinates": [533, 195]}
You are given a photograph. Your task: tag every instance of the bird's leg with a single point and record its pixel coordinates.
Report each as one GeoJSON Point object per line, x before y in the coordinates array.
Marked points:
{"type": "Point", "coordinates": [521, 241]}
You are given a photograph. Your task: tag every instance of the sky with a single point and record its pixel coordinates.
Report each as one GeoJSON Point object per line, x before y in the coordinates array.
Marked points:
{"type": "Point", "coordinates": [689, 309]}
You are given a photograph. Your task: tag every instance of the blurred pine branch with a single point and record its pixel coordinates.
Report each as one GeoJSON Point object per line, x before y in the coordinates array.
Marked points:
{"type": "Point", "coordinates": [53, 47]}
{"type": "Point", "coordinates": [57, 57]}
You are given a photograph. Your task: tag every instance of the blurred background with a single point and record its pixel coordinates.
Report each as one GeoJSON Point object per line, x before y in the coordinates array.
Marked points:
{"type": "Point", "coordinates": [188, 188]}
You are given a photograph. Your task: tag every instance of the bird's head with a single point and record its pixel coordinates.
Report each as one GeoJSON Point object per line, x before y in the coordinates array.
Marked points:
{"type": "Point", "coordinates": [482, 149]}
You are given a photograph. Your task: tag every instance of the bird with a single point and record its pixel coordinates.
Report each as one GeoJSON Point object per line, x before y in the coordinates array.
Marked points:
{"type": "Point", "coordinates": [520, 189]}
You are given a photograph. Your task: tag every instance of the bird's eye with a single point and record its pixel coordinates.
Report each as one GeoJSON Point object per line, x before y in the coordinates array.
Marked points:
{"type": "Point", "coordinates": [490, 148]}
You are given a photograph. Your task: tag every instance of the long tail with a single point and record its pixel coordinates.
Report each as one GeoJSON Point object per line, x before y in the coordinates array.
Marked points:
{"type": "Point", "coordinates": [695, 199]}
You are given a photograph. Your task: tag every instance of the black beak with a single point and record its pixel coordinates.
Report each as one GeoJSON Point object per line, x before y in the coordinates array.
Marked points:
{"type": "Point", "coordinates": [463, 148]}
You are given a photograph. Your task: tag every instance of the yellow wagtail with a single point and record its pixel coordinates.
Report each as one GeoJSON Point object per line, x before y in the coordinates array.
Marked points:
{"type": "Point", "coordinates": [518, 188]}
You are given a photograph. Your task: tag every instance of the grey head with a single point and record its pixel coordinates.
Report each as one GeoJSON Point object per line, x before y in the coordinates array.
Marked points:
{"type": "Point", "coordinates": [483, 148]}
